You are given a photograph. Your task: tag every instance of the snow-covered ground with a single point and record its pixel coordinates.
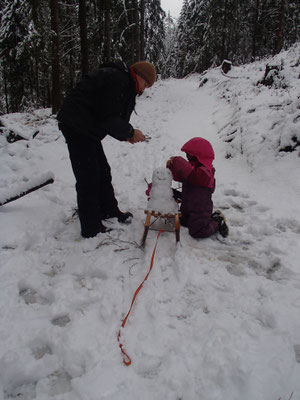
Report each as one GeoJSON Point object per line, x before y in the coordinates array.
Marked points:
{"type": "Point", "coordinates": [217, 318]}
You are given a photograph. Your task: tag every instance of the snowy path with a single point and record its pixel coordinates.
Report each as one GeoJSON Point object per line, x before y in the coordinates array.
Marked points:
{"type": "Point", "coordinates": [217, 319]}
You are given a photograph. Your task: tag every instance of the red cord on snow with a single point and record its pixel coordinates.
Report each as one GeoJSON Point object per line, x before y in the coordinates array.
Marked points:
{"type": "Point", "coordinates": [126, 358]}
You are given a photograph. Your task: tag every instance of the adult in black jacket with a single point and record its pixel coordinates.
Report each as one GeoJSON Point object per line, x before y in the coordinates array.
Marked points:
{"type": "Point", "coordinates": [100, 104]}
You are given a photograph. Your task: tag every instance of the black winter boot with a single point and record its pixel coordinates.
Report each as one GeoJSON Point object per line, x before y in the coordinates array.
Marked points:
{"type": "Point", "coordinates": [90, 233]}
{"type": "Point", "coordinates": [221, 220]}
{"type": "Point", "coordinates": [123, 217]}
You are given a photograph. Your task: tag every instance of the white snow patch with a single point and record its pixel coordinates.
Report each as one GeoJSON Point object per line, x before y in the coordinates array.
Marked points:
{"type": "Point", "coordinates": [217, 318]}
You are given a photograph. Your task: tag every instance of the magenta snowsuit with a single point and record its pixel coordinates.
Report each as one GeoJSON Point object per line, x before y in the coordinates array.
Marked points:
{"type": "Point", "coordinates": [198, 184]}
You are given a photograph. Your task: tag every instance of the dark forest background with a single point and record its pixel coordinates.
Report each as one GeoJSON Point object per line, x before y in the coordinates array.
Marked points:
{"type": "Point", "coordinates": [46, 45]}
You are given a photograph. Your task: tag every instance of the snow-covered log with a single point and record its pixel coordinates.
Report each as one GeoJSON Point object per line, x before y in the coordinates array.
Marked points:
{"type": "Point", "coordinates": [16, 131]}
{"type": "Point", "coordinates": [34, 184]}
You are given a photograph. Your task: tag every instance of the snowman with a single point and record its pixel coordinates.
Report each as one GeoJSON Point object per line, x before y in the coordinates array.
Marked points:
{"type": "Point", "coordinates": [161, 196]}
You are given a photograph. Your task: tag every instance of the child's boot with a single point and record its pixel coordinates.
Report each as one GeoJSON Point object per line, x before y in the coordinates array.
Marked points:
{"type": "Point", "coordinates": [221, 220]}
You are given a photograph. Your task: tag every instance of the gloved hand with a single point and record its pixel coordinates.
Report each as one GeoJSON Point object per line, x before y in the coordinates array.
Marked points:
{"type": "Point", "coordinates": [149, 189]}
{"type": "Point", "coordinates": [177, 195]}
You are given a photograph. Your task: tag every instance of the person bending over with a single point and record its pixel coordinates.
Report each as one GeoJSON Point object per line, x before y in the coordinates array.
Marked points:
{"type": "Point", "coordinates": [101, 104]}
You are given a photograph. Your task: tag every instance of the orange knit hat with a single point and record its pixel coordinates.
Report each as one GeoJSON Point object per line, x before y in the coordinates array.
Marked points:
{"type": "Point", "coordinates": [145, 70]}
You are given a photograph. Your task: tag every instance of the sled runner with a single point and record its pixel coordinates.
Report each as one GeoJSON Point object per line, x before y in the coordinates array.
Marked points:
{"type": "Point", "coordinates": [167, 222]}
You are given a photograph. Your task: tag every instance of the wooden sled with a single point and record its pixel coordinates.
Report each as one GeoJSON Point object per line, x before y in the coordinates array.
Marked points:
{"type": "Point", "coordinates": [166, 222]}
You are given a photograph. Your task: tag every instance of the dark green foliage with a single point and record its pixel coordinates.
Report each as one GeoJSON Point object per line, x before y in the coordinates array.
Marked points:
{"type": "Point", "coordinates": [206, 33]}
{"type": "Point", "coordinates": [99, 31]}
{"type": "Point", "coordinates": [154, 32]}
{"type": "Point", "coordinates": [23, 50]}
{"type": "Point", "coordinates": [210, 31]}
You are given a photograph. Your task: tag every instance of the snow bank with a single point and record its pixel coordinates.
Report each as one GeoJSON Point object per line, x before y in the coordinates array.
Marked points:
{"type": "Point", "coordinates": [262, 122]}
{"type": "Point", "coordinates": [217, 318]}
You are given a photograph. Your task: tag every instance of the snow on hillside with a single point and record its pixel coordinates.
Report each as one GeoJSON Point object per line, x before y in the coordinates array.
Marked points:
{"type": "Point", "coordinates": [264, 121]}
{"type": "Point", "coordinates": [217, 318]}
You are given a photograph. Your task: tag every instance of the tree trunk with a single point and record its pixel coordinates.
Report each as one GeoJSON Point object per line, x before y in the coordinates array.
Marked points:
{"type": "Point", "coordinates": [56, 88]}
{"type": "Point", "coordinates": [223, 52]}
{"type": "Point", "coordinates": [280, 32]}
{"type": "Point", "coordinates": [136, 31]}
{"type": "Point", "coordinates": [36, 55]}
{"type": "Point", "coordinates": [83, 38]}
{"type": "Point", "coordinates": [5, 90]}
{"type": "Point", "coordinates": [129, 10]}
{"type": "Point", "coordinates": [37, 81]}
{"type": "Point", "coordinates": [107, 31]}
{"type": "Point", "coordinates": [142, 29]}
{"type": "Point", "coordinates": [255, 28]}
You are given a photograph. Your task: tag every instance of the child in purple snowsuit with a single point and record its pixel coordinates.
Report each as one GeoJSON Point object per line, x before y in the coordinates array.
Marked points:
{"type": "Point", "coordinates": [198, 184]}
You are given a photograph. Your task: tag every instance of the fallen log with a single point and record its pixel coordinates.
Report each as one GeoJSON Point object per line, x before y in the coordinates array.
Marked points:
{"type": "Point", "coordinates": [28, 187]}
{"type": "Point", "coordinates": [15, 132]}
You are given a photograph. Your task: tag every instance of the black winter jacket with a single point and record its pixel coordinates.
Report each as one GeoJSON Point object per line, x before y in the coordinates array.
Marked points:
{"type": "Point", "coordinates": [101, 103]}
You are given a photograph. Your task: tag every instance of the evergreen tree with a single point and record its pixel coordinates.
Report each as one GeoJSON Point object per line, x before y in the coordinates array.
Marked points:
{"type": "Point", "coordinates": [84, 45]}
{"type": "Point", "coordinates": [182, 35]}
{"type": "Point", "coordinates": [220, 34]}
{"type": "Point", "coordinates": [72, 62]}
{"type": "Point", "coordinates": [292, 24]}
{"type": "Point", "coordinates": [142, 29]}
{"type": "Point", "coordinates": [154, 32]}
{"type": "Point", "coordinates": [209, 31]}
{"type": "Point", "coordinates": [139, 30]}
{"type": "Point", "coordinates": [19, 44]}
{"type": "Point", "coordinates": [123, 21]}
{"type": "Point", "coordinates": [45, 45]}
{"type": "Point", "coordinates": [170, 49]}
{"type": "Point", "coordinates": [56, 86]}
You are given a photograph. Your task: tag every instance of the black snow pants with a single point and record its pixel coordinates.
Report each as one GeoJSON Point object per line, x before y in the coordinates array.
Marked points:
{"type": "Point", "coordinates": [95, 193]}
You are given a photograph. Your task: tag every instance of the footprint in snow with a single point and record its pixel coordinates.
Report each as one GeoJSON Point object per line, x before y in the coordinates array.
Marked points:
{"type": "Point", "coordinates": [265, 267]}
{"type": "Point", "coordinates": [237, 200]}
{"type": "Point", "coordinates": [235, 193]}
{"type": "Point", "coordinates": [297, 352]}
{"type": "Point", "coordinates": [235, 262]}
{"type": "Point", "coordinates": [238, 206]}
{"type": "Point", "coordinates": [26, 391]}
{"type": "Point", "coordinates": [31, 296]}
{"type": "Point", "coordinates": [57, 383]}
{"type": "Point", "coordinates": [40, 351]}
{"type": "Point", "coordinates": [262, 209]}
{"type": "Point", "coordinates": [62, 321]}
{"type": "Point", "coordinates": [288, 224]}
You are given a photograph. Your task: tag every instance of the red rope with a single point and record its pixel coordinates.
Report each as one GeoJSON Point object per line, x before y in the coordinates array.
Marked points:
{"type": "Point", "coordinates": [126, 358]}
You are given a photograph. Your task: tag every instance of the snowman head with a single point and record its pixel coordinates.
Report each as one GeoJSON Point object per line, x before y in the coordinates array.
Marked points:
{"type": "Point", "coordinates": [162, 176]}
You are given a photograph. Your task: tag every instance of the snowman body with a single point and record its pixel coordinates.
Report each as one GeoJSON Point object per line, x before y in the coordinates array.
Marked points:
{"type": "Point", "coordinates": [161, 196]}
